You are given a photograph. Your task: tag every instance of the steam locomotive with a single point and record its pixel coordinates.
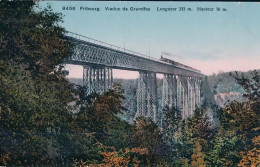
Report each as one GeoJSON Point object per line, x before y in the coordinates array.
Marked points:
{"type": "Point", "coordinates": [177, 64]}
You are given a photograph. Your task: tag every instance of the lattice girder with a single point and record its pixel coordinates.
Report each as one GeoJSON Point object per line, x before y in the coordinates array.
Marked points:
{"type": "Point", "coordinates": [147, 96]}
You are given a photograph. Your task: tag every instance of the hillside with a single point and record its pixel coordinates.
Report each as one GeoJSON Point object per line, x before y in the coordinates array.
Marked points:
{"type": "Point", "coordinates": [225, 88]}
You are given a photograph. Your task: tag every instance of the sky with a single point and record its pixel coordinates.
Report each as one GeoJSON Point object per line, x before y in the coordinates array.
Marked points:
{"type": "Point", "coordinates": [211, 41]}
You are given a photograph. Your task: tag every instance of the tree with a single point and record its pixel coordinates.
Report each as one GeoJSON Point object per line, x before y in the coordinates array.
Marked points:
{"type": "Point", "coordinates": [34, 92]}
{"type": "Point", "coordinates": [98, 116]}
{"type": "Point", "coordinates": [171, 127]}
{"type": "Point", "coordinates": [171, 121]}
{"type": "Point", "coordinates": [147, 135]}
{"type": "Point", "coordinates": [252, 157]}
{"type": "Point", "coordinates": [239, 125]}
{"type": "Point", "coordinates": [199, 126]}
{"type": "Point", "coordinates": [196, 132]}
{"type": "Point", "coordinates": [224, 148]}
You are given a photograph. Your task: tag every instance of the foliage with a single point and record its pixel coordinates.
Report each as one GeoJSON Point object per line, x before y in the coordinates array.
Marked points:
{"type": "Point", "coordinates": [199, 126]}
{"type": "Point", "coordinates": [224, 148]}
{"type": "Point", "coordinates": [171, 128]}
{"type": "Point", "coordinates": [195, 135]}
{"type": "Point", "coordinates": [34, 92]}
{"type": "Point", "coordinates": [239, 125]}
{"type": "Point", "coordinates": [129, 157]}
{"type": "Point", "coordinates": [198, 156]}
{"type": "Point", "coordinates": [146, 134]}
{"type": "Point", "coordinates": [252, 157]}
{"type": "Point", "coordinates": [171, 121]}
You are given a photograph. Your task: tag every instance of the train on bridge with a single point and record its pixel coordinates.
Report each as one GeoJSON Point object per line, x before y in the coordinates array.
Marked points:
{"type": "Point", "coordinates": [177, 64]}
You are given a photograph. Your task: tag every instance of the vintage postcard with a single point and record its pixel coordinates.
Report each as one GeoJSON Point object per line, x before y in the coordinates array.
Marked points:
{"type": "Point", "coordinates": [121, 83]}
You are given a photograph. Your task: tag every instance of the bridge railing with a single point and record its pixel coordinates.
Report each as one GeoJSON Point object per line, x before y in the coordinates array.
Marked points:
{"type": "Point", "coordinates": [84, 38]}
{"type": "Point", "coordinates": [91, 40]}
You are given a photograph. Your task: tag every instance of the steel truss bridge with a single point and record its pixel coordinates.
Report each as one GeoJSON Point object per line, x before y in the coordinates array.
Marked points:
{"type": "Point", "coordinates": [181, 85]}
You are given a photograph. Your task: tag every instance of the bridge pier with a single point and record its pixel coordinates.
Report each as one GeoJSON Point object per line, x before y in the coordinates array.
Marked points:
{"type": "Point", "coordinates": [180, 96]}
{"type": "Point", "coordinates": [189, 95]}
{"type": "Point", "coordinates": [197, 85]}
{"type": "Point", "coordinates": [185, 94]}
{"type": "Point", "coordinates": [192, 94]}
{"type": "Point", "coordinates": [97, 78]}
{"type": "Point", "coordinates": [147, 95]}
{"type": "Point", "coordinates": [169, 94]}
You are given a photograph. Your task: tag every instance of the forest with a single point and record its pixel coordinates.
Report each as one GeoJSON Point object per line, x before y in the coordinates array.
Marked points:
{"type": "Point", "coordinates": [39, 125]}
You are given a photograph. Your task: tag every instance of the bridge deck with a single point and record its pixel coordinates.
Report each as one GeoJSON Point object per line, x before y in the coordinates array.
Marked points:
{"type": "Point", "coordinates": [88, 51]}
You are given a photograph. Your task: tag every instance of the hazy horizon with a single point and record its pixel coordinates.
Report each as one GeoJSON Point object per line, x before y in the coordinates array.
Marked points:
{"type": "Point", "coordinates": [77, 72]}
